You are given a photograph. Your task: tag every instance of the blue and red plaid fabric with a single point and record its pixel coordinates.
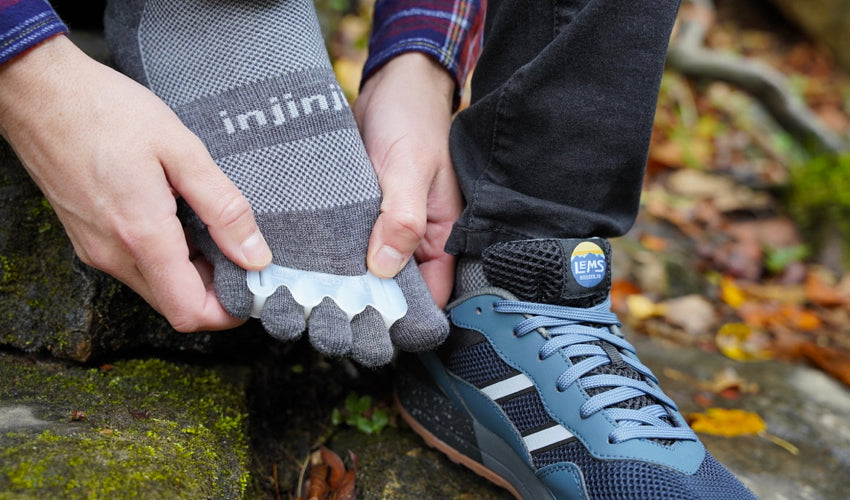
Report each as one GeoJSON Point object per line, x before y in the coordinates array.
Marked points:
{"type": "Point", "coordinates": [24, 24]}
{"type": "Point", "coordinates": [450, 31]}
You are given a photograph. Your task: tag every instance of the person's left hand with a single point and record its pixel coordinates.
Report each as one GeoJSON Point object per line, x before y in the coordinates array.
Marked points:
{"type": "Point", "coordinates": [404, 115]}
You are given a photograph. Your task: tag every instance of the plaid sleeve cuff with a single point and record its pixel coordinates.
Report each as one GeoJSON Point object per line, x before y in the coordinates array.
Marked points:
{"type": "Point", "coordinates": [447, 30]}
{"type": "Point", "coordinates": [24, 24]}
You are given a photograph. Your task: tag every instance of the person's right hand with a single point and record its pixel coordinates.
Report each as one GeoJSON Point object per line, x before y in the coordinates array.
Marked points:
{"type": "Point", "coordinates": [112, 158]}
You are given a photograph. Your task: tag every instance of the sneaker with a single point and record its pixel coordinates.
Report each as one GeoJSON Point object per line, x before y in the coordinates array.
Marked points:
{"type": "Point", "coordinates": [537, 390]}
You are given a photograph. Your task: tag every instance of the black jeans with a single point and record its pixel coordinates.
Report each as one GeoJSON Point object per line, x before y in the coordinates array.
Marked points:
{"type": "Point", "coordinates": [555, 140]}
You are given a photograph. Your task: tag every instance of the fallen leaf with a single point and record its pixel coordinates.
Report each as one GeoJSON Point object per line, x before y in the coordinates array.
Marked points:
{"type": "Point", "coordinates": [693, 313]}
{"type": "Point", "coordinates": [642, 307]}
{"type": "Point", "coordinates": [335, 465]}
{"type": "Point", "coordinates": [620, 291]}
{"type": "Point", "coordinates": [731, 293]}
{"type": "Point", "coordinates": [786, 294]}
{"type": "Point", "coordinates": [800, 318]}
{"type": "Point", "coordinates": [654, 243]}
{"type": "Point", "coordinates": [770, 315]}
{"type": "Point", "coordinates": [327, 477]}
{"type": "Point", "coordinates": [703, 399]}
{"type": "Point", "coordinates": [740, 342]}
{"type": "Point", "coordinates": [830, 360]}
{"type": "Point", "coordinates": [725, 192]}
{"type": "Point", "coordinates": [728, 423]}
{"type": "Point", "coordinates": [318, 485]}
{"type": "Point", "coordinates": [140, 414]}
{"type": "Point", "coordinates": [820, 292]}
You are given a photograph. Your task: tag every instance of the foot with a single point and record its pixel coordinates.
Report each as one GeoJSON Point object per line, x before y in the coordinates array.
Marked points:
{"type": "Point", "coordinates": [537, 390]}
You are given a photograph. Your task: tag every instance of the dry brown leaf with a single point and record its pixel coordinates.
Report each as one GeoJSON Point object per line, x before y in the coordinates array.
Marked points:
{"type": "Point", "coordinates": [726, 194]}
{"type": "Point", "coordinates": [335, 466]}
{"type": "Point", "coordinates": [693, 313]}
{"type": "Point", "coordinates": [832, 361]}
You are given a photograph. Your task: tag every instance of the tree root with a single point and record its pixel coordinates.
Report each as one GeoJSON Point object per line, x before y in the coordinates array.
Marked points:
{"type": "Point", "coordinates": [689, 56]}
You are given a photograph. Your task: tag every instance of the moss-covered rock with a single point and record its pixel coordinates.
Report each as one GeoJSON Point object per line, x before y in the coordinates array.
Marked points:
{"type": "Point", "coordinates": [135, 429]}
{"type": "Point", "coordinates": [51, 302]}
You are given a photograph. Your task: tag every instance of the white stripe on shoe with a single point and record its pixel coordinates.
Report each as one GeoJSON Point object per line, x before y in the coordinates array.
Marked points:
{"type": "Point", "coordinates": [546, 437]}
{"type": "Point", "coordinates": [508, 386]}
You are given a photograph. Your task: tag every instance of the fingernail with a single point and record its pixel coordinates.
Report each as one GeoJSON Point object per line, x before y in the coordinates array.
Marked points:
{"type": "Point", "coordinates": [388, 261]}
{"type": "Point", "coordinates": [256, 251]}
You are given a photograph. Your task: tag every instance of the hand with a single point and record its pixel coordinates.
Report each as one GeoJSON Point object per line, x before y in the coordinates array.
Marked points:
{"type": "Point", "coordinates": [111, 158]}
{"type": "Point", "coordinates": [404, 115]}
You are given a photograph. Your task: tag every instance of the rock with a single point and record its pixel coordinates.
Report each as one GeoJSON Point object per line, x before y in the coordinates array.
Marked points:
{"type": "Point", "coordinates": [826, 21]}
{"type": "Point", "coordinates": [396, 464]}
{"type": "Point", "coordinates": [50, 301]}
{"type": "Point", "coordinates": [146, 428]}
{"type": "Point", "coordinates": [800, 405]}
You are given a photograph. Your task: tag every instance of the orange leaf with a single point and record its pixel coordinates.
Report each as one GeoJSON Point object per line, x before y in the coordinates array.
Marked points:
{"type": "Point", "coordinates": [832, 361]}
{"type": "Point", "coordinates": [729, 423]}
{"type": "Point", "coordinates": [820, 293]}
{"type": "Point", "coordinates": [620, 290]}
{"type": "Point", "coordinates": [800, 318]}
{"type": "Point", "coordinates": [318, 485]}
{"type": "Point", "coordinates": [335, 466]}
{"type": "Point", "coordinates": [346, 489]}
{"type": "Point", "coordinates": [654, 243]}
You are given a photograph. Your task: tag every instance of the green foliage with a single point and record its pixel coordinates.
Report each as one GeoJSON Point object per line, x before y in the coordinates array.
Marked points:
{"type": "Point", "coordinates": [358, 412]}
{"type": "Point", "coordinates": [776, 259]}
{"type": "Point", "coordinates": [820, 196]}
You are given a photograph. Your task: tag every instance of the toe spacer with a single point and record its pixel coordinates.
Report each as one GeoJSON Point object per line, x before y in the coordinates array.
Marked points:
{"type": "Point", "coordinates": [351, 293]}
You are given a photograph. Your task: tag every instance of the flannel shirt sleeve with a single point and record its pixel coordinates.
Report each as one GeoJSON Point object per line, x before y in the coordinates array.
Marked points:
{"type": "Point", "coordinates": [449, 31]}
{"type": "Point", "coordinates": [25, 24]}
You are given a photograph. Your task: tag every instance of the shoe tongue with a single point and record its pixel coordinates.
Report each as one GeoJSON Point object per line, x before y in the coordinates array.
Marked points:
{"type": "Point", "coordinates": [566, 272]}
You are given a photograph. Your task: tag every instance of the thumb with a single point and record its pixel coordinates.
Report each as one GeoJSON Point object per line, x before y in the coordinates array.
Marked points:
{"type": "Point", "coordinates": [400, 226]}
{"type": "Point", "coordinates": [219, 204]}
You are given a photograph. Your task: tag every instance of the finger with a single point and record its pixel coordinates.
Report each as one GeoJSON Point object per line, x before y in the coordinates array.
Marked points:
{"type": "Point", "coordinates": [181, 290]}
{"type": "Point", "coordinates": [205, 270]}
{"type": "Point", "coordinates": [400, 227]}
{"type": "Point", "coordinates": [439, 277]}
{"type": "Point", "coordinates": [218, 203]}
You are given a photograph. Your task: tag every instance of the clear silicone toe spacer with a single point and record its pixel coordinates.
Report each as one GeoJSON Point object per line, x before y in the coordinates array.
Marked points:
{"type": "Point", "coordinates": [351, 293]}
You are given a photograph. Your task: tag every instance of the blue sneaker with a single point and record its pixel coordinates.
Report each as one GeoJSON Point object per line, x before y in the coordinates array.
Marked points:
{"type": "Point", "coordinates": [536, 389]}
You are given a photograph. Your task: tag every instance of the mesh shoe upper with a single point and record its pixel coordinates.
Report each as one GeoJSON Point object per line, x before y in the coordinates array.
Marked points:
{"type": "Point", "coordinates": [597, 409]}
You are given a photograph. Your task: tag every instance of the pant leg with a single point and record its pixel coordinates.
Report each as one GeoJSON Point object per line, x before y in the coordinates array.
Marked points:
{"type": "Point", "coordinates": [555, 140]}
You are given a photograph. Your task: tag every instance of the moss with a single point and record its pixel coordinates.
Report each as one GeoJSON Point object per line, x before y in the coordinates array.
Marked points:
{"type": "Point", "coordinates": [37, 296]}
{"type": "Point", "coordinates": [151, 429]}
{"type": "Point", "coordinates": [820, 198]}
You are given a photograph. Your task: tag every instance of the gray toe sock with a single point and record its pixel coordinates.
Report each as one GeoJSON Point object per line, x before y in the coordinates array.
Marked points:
{"type": "Point", "coordinates": [253, 80]}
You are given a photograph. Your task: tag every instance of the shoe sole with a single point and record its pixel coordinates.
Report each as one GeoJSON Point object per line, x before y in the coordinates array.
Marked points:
{"type": "Point", "coordinates": [453, 455]}
{"type": "Point", "coordinates": [448, 428]}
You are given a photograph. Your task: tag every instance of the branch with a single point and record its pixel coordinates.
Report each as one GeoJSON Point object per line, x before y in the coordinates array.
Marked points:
{"type": "Point", "coordinates": [689, 56]}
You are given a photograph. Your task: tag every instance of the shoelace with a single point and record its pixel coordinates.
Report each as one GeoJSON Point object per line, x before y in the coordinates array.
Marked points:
{"type": "Point", "coordinates": [572, 331]}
